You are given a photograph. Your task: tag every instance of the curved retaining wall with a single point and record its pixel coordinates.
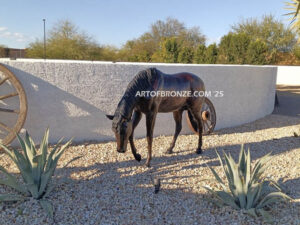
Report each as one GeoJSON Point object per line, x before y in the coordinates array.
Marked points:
{"type": "Point", "coordinates": [72, 97]}
{"type": "Point", "coordinates": [288, 75]}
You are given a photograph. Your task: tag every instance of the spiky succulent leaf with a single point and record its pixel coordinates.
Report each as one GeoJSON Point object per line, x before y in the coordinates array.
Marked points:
{"type": "Point", "coordinates": [23, 147]}
{"type": "Point", "coordinates": [28, 150]}
{"type": "Point", "coordinates": [23, 166]}
{"type": "Point", "coordinates": [216, 202]}
{"type": "Point", "coordinates": [266, 216]}
{"type": "Point", "coordinates": [51, 166]}
{"type": "Point", "coordinates": [274, 184]}
{"type": "Point", "coordinates": [33, 188]}
{"type": "Point", "coordinates": [251, 195]}
{"type": "Point", "coordinates": [49, 189]}
{"type": "Point", "coordinates": [227, 199]}
{"type": "Point", "coordinates": [271, 198]}
{"type": "Point", "coordinates": [260, 167]}
{"type": "Point", "coordinates": [229, 175]}
{"type": "Point", "coordinates": [248, 169]}
{"type": "Point", "coordinates": [252, 212]}
{"type": "Point", "coordinates": [50, 156]}
{"type": "Point", "coordinates": [11, 197]}
{"type": "Point", "coordinates": [44, 148]}
{"type": "Point", "coordinates": [9, 153]}
{"type": "Point", "coordinates": [45, 179]}
{"type": "Point", "coordinates": [242, 160]}
{"type": "Point", "coordinates": [12, 182]}
{"type": "Point", "coordinates": [217, 178]}
{"type": "Point", "coordinates": [47, 206]}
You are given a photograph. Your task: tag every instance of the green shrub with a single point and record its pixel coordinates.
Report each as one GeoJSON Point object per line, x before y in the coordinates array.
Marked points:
{"type": "Point", "coordinates": [233, 48]}
{"type": "Point", "coordinates": [211, 54]}
{"type": "Point", "coordinates": [296, 51]}
{"type": "Point", "coordinates": [185, 55]}
{"type": "Point", "coordinates": [199, 54]}
{"type": "Point", "coordinates": [246, 189]}
{"type": "Point", "coordinates": [169, 50]}
{"type": "Point", "coordinates": [36, 167]}
{"type": "Point", "coordinates": [257, 53]}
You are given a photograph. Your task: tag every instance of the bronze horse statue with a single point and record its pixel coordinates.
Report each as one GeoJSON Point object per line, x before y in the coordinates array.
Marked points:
{"type": "Point", "coordinates": [124, 123]}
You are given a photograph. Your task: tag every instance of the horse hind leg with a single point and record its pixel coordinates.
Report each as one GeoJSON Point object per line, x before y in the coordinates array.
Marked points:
{"type": "Point", "coordinates": [197, 116]}
{"type": "Point", "coordinates": [178, 120]}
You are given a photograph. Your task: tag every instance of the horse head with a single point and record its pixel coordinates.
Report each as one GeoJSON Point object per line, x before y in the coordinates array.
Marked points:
{"type": "Point", "coordinates": [122, 128]}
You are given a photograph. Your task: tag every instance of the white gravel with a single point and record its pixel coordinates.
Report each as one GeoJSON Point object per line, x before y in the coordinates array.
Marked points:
{"type": "Point", "coordinates": [105, 187]}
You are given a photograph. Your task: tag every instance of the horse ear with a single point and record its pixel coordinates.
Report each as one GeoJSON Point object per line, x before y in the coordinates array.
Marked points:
{"type": "Point", "coordinates": [110, 117]}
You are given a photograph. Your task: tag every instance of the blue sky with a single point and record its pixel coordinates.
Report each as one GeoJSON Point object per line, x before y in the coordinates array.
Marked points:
{"type": "Point", "coordinates": [116, 21]}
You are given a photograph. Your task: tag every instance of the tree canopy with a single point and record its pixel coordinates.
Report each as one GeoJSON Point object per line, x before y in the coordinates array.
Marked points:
{"type": "Point", "coordinates": [151, 46]}
{"type": "Point", "coordinates": [251, 41]}
{"type": "Point", "coordinates": [65, 41]}
{"type": "Point", "coordinates": [274, 33]}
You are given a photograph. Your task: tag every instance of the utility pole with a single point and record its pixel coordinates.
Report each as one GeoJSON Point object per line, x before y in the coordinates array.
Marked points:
{"type": "Point", "coordinates": [44, 38]}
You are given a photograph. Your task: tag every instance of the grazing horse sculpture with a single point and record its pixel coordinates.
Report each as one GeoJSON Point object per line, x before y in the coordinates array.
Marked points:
{"type": "Point", "coordinates": [123, 123]}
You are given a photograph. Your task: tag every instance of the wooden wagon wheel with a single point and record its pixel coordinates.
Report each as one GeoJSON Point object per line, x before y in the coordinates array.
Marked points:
{"type": "Point", "coordinates": [13, 105]}
{"type": "Point", "coordinates": [208, 115]}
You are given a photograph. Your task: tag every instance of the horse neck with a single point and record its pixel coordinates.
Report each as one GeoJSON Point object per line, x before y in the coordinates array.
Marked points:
{"type": "Point", "coordinates": [141, 82]}
{"type": "Point", "coordinates": [126, 106]}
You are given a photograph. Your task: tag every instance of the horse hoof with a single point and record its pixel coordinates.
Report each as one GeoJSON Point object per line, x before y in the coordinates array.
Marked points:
{"type": "Point", "coordinates": [199, 151]}
{"type": "Point", "coordinates": [147, 164]}
{"type": "Point", "coordinates": [138, 157]}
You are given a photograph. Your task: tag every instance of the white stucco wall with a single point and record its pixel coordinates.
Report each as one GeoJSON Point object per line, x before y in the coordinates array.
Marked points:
{"type": "Point", "coordinates": [288, 75]}
{"type": "Point", "coordinates": [72, 97]}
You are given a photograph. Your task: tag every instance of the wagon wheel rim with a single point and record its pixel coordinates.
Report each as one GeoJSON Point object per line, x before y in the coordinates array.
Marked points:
{"type": "Point", "coordinates": [208, 122]}
{"type": "Point", "coordinates": [22, 107]}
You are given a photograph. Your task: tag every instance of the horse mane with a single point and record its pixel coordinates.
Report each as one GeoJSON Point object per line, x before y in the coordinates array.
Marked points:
{"type": "Point", "coordinates": [143, 81]}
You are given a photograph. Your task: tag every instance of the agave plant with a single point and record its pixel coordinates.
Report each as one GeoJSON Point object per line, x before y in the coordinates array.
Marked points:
{"type": "Point", "coordinates": [294, 6]}
{"type": "Point", "coordinates": [36, 167]}
{"type": "Point", "coordinates": [246, 189]}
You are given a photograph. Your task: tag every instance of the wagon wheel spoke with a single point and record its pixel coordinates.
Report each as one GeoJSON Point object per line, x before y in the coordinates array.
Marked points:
{"type": "Point", "coordinates": [9, 110]}
{"type": "Point", "coordinates": [8, 96]}
{"type": "Point", "coordinates": [2, 81]}
{"type": "Point", "coordinates": [14, 110]}
{"type": "Point", "coordinates": [207, 125]}
{"type": "Point", "coordinates": [5, 127]}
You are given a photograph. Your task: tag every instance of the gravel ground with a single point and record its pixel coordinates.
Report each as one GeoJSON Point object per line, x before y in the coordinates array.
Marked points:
{"type": "Point", "coordinates": [105, 187]}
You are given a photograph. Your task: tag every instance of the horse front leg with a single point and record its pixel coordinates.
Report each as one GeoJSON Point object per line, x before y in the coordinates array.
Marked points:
{"type": "Point", "coordinates": [137, 115]}
{"type": "Point", "coordinates": [150, 122]}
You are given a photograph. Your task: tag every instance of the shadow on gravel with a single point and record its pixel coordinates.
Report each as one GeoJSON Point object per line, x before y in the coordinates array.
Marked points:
{"type": "Point", "coordinates": [270, 121]}
{"type": "Point", "coordinates": [169, 164]}
{"type": "Point", "coordinates": [258, 149]}
{"type": "Point", "coordinates": [122, 191]}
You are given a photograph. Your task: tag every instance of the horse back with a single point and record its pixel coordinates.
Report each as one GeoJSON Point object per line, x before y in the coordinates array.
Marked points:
{"type": "Point", "coordinates": [182, 82]}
